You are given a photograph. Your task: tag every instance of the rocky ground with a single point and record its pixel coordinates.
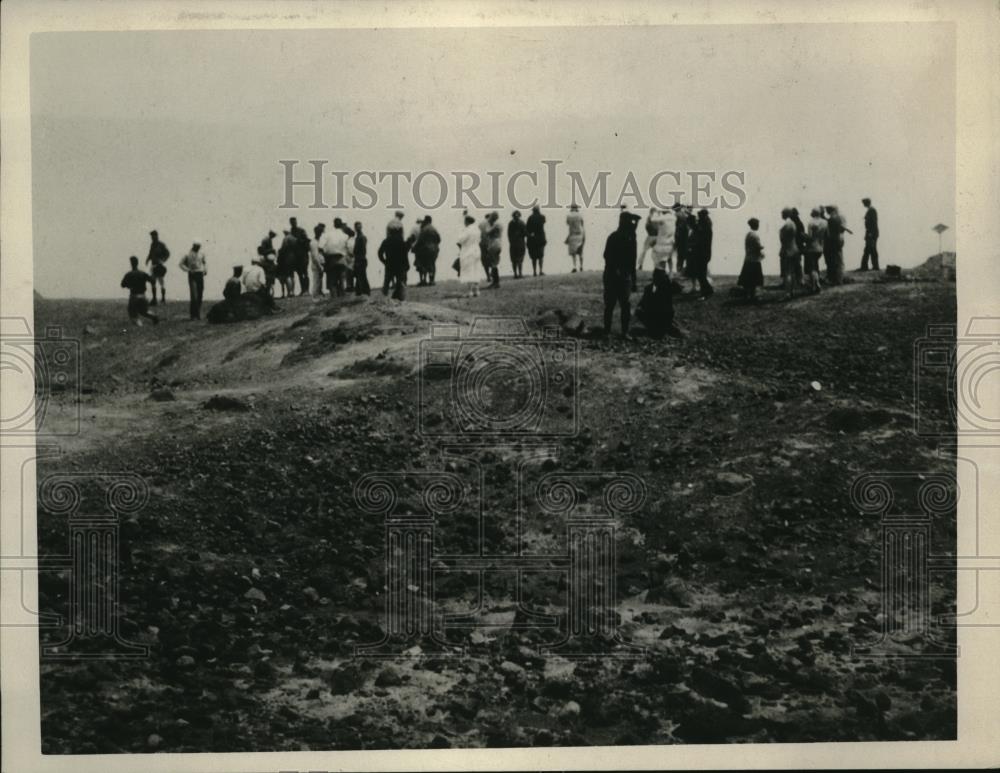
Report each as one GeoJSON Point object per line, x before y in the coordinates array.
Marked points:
{"type": "Point", "coordinates": [746, 576]}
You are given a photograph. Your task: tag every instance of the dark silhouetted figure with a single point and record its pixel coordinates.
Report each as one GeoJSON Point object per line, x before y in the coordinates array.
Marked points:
{"type": "Point", "coordinates": [301, 253]}
{"type": "Point", "coordinates": [393, 253]}
{"type": "Point", "coordinates": [700, 253]}
{"type": "Point", "coordinates": [871, 236]}
{"type": "Point", "coordinates": [361, 286]}
{"type": "Point", "coordinates": [656, 307]}
{"type": "Point", "coordinates": [619, 267]}
{"type": "Point", "coordinates": [158, 255]}
{"type": "Point", "coordinates": [535, 240]}
{"type": "Point", "coordinates": [517, 231]}
{"type": "Point", "coordinates": [135, 282]}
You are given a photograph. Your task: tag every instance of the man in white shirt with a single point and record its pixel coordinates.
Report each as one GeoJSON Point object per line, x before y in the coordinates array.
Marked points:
{"type": "Point", "coordinates": [334, 248]}
{"type": "Point", "coordinates": [254, 280]}
{"type": "Point", "coordinates": [194, 265]}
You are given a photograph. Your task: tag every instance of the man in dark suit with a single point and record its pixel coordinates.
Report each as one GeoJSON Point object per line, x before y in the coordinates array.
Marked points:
{"type": "Point", "coordinates": [871, 236]}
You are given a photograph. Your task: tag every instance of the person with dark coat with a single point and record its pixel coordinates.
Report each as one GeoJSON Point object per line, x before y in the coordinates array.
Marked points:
{"type": "Point", "coordinates": [158, 255]}
{"type": "Point", "coordinates": [833, 250]}
{"type": "Point", "coordinates": [268, 260]}
{"type": "Point", "coordinates": [700, 253]}
{"type": "Point", "coordinates": [871, 236]}
{"type": "Point", "coordinates": [619, 268]}
{"type": "Point", "coordinates": [425, 250]}
{"type": "Point", "coordinates": [393, 253]}
{"type": "Point", "coordinates": [494, 245]}
{"type": "Point", "coordinates": [681, 234]}
{"type": "Point", "coordinates": [135, 282]}
{"type": "Point", "coordinates": [361, 286]}
{"type": "Point", "coordinates": [301, 253]}
{"type": "Point", "coordinates": [535, 240]}
{"type": "Point", "coordinates": [516, 233]}
{"type": "Point", "coordinates": [286, 265]}
{"type": "Point", "coordinates": [752, 275]}
{"type": "Point", "coordinates": [234, 285]}
{"type": "Point", "coordinates": [656, 307]}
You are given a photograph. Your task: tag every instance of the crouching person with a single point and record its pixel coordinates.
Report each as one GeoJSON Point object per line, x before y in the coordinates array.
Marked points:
{"type": "Point", "coordinates": [656, 308]}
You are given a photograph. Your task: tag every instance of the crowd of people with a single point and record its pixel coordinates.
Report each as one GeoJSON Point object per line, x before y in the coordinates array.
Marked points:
{"type": "Point", "coordinates": [335, 262]}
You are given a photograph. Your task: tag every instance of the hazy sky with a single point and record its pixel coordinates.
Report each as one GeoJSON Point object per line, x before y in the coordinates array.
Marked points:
{"type": "Point", "coordinates": [183, 131]}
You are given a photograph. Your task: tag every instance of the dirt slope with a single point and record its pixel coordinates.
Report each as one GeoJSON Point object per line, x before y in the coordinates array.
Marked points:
{"type": "Point", "coordinates": [252, 575]}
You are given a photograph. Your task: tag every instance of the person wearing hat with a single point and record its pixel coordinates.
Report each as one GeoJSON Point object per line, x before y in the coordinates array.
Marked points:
{"type": "Point", "coordinates": [517, 231]}
{"type": "Point", "coordinates": [619, 268]}
{"type": "Point", "coordinates": [494, 246]}
{"type": "Point", "coordinates": [576, 237]}
{"type": "Point", "coordinates": [158, 255]}
{"type": "Point", "coordinates": [752, 274]}
{"type": "Point", "coordinates": [135, 282]}
{"type": "Point", "coordinates": [535, 240]}
{"type": "Point", "coordinates": [426, 250]}
{"type": "Point", "coordinates": [468, 256]}
{"type": "Point", "coordinates": [194, 264]}
{"type": "Point", "coordinates": [871, 236]}
{"type": "Point", "coordinates": [396, 224]}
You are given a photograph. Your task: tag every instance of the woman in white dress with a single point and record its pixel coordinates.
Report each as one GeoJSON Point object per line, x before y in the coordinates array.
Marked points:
{"type": "Point", "coordinates": [468, 256]}
{"type": "Point", "coordinates": [663, 249]}
{"type": "Point", "coordinates": [576, 237]}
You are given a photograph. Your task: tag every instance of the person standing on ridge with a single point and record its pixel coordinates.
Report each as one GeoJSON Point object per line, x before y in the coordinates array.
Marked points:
{"type": "Point", "coordinates": [535, 240]}
{"type": "Point", "coordinates": [871, 236]}
{"type": "Point", "coordinates": [157, 257]}
{"type": "Point", "coordinates": [576, 237]}
{"type": "Point", "coordinates": [194, 264]}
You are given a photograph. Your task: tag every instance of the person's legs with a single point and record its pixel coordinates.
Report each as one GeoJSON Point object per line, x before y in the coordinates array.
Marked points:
{"type": "Point", "coordinates": [875, 253]}
{"type": "Point", "coordinates": [624, 304]}
{"type": "Point", "coordinates": [400, 282]}
{"type": "Point", "coordinates": [610, 298]}
{"type": "Point", "coordinates": [341, 272]}
{"type": "Point", "coordinates": [197, 282]}
{"type": "Point", "coordinates": [317, 280]}
{"type": "Point", "coordinates": [303, 273]}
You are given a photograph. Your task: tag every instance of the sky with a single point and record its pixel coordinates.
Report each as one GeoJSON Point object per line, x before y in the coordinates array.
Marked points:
{"type": "Point", "coordinates": [183, 131]}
